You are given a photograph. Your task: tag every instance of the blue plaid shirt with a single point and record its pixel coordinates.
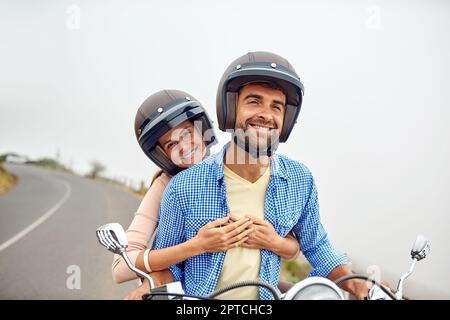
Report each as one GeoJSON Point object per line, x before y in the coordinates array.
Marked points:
{"type": "Point", "coordinates": [197, 196]}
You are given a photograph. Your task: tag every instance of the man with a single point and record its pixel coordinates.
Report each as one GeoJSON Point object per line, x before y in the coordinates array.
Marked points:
{"type": "Point", "coordinates": [259, 99]}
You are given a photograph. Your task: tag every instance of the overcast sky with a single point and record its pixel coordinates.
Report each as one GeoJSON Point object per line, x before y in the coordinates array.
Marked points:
{"type": "Point", "coordinates": [373, 127]}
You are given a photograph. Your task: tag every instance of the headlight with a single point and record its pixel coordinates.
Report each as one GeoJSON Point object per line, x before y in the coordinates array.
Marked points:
{"type": "Point", "coordinates": [314, 288]}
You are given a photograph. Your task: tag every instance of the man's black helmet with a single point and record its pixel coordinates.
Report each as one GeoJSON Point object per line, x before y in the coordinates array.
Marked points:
{"type": "Point", "coordinates": [259, 67]}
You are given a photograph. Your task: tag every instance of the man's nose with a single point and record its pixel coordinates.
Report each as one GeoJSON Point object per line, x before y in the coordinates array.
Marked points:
{"type": "Point", "coordinates": [265, 113]}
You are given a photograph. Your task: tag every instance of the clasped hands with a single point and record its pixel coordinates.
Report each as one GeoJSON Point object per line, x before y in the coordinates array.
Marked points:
{"type": "Point", "coordinates": [233, 231]}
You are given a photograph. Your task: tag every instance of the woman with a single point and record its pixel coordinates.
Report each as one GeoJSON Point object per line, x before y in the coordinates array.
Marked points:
{"type": "Point", "coordinates": [175, 132]}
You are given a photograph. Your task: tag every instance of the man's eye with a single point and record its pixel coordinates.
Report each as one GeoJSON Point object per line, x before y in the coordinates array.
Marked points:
{"type": "Point", "coordinates": [277, 107]}
{"type": "Point", "coordinates": [253, 101]}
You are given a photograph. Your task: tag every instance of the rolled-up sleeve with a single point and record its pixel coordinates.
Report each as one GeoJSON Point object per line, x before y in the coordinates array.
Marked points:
{"type": "Point", "coordinates": [170, 230]}
{"type": "Point", "coordinates": [314, 241]}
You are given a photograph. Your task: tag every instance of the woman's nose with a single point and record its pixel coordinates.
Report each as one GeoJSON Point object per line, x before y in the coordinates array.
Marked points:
{"type": "Point", "coordinates": [185, 145]}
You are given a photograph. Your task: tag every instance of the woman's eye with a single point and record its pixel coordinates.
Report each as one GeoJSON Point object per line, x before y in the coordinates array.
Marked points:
{"type": "Point", "coordinates": [185, 133]}
{"type": "Point", "coordinates": [171, 144]}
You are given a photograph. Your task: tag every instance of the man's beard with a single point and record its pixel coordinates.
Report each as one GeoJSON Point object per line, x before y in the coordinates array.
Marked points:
{"type": "Point", "coordinates": [256, 146]}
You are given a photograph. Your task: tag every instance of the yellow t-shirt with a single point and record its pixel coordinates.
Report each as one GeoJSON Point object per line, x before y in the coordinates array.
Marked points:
{"type": "Point", "coordinates": [242, 264]}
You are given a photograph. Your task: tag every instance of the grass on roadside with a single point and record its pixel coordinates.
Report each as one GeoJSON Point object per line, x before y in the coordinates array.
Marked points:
{"type": "Point", "coordinates": [295, 270]}
{"type": "Point", "coordinates": [7, 180]}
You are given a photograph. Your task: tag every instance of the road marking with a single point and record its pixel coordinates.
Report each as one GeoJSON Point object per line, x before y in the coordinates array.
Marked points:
{"type": "Point", "coordinates": [39, 221]}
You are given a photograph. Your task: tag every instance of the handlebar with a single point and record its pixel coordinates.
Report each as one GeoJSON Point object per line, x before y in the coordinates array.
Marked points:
{"type": "Point", "coordinates": [212, 296]}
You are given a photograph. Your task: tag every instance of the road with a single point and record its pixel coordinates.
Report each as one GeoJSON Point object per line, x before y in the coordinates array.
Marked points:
{"type": "Point", "coordinates": [48, 247]}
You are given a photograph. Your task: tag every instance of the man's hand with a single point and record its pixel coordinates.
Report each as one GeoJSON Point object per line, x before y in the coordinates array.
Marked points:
{"type": "Point", "coordinates": [137, 293]}
{"type": "Point", "coordinates": [159, 278]}
{"type": "Point", "coordinates": [263, 237]}
{"type": "Point", "coordinates": [219, 235]}
{"type": "Point", "coordinates": [356, 287]}
{"type": "Point", "coordinates": [359, 288]}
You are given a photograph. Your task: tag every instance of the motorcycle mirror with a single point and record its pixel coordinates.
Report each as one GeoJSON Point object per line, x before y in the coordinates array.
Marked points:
{"type": "Point", "coordinates": [113, 237]}
{"type": "Point", "coordinates": [421, 248]}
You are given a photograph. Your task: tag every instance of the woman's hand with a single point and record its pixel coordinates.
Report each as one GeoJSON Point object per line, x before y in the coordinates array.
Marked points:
{"type": "Point", "coordinates": [223, 234]}
{"type": "Point", "coordinates": [264, 236]}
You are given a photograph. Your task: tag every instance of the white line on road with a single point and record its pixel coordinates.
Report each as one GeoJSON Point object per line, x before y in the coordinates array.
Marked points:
{"type": "Point", "coordinates": [39, 221]}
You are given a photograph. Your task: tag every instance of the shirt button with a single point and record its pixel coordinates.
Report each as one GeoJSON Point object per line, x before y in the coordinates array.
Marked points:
{"type": "Point", "coordinates": [290, 221]}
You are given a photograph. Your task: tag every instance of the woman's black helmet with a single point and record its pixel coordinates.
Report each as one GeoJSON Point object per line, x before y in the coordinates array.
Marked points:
{"type": "Point", "coordinates": [163, 111]}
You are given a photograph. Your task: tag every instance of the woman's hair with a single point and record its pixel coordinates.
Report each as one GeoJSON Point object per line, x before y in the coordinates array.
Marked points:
{"type": "Point", "coordinates": [156, 176]}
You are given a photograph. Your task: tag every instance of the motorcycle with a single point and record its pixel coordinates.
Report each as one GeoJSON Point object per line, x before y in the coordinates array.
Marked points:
{"type": "Point", "coordinates": [113, 237]}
